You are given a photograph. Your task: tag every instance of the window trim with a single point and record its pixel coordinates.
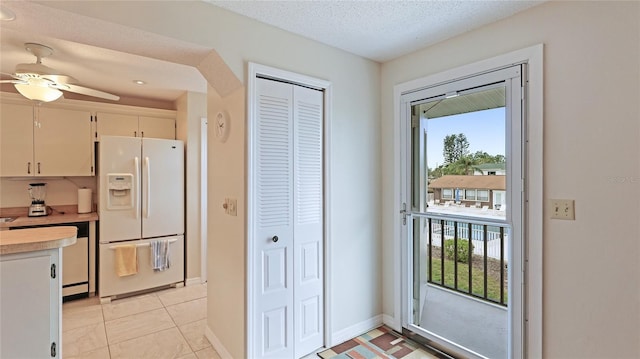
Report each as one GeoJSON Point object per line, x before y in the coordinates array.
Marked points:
{"type": "Point", "coordinates": [442, 196]}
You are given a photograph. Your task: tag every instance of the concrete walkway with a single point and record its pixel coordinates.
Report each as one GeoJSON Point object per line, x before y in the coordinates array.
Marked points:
{"type": "Point", "coordinates": [477, 326]}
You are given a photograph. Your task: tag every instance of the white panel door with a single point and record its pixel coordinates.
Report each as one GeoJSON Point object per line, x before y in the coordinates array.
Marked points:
{"type": "Point", "coordinates": [162, 187]}
{"type": "Point", "coordinates": [308, 220]}
{"type": "Point", "coordinates": [119, 155]}
{"type": "Point", "coordinates": [273, 236]}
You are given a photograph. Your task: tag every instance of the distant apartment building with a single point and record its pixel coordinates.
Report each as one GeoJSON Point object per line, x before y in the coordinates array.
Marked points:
{"type": "Point", "coordinates": [489, 169]}
{"type": "Point", "coordinates": [470, 191]}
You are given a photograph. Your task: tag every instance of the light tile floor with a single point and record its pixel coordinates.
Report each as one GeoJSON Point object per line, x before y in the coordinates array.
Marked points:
{"type": "Point", "coordinates": [164, 324]}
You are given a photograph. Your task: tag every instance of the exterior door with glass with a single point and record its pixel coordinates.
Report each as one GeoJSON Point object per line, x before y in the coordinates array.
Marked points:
{"type": "Point", "coordinates": [462, 199]}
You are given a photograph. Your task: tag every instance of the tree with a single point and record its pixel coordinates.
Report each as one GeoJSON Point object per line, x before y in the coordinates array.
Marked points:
{"type": "Point", "coordinates": [455, 148]}
{"type": "Point", "coordinates": [458, 161]}
{"type": "Point", "coordinates": [463, 166]}
{"type": "Point", "coordinates": [480, 157]}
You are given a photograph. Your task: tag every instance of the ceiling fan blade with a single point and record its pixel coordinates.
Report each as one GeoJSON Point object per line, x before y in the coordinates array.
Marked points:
{"type": "Point", "coordinates": [37, 68]}
{"type": "Point", "coordinates": [13, 76]}
{"type": "Point", "coordinates": [86, 91]}
{"type": "Point", "coordinates": [13, 82]}
{"type": "Point", "coordinates": [62, 79]}
{"type": "Point", "coordinates": [43, 71]}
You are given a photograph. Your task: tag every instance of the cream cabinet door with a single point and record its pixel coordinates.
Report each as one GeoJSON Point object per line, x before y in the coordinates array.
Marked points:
{"type": "Point", "coordinates": [156, 127]}
{"type": "Point", "coordinates": [30, 304]}
{"type": "Point", "coordinates": [16, 140]}
{"type": "Point", "coordinates": [114, 124]}
{"type": "Point", "coordinates": [63, 143]}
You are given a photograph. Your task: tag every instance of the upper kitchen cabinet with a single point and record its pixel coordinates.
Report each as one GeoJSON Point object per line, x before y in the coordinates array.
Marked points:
{"type": "Point", "coordinates": [42, 141]}
{"type": "Point", "coordinates": [113, 124]}
{"type": "Point", "coordinates": [16, 140]}
{"type": "Point", "coordinates": [155, 127]}
{"type": "Point", "coordinates": [62, 142]}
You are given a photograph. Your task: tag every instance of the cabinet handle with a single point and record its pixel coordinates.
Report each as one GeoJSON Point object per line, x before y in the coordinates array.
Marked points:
{"type": "Point", "coordinates": [28, 168]}
{"type": "Point", "coordinates": [135, 133]}
{"type": "Point", "coordinates": [38, 167]}
{"type": "Point", "coordinates": [274, 239]}
{"type": "Point", "coordinates": [142, 132]}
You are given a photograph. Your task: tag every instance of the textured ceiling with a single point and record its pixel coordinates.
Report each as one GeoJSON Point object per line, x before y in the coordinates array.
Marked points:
{"type": "Point", "coordinates": [109, 57]}
{"type": "Point", "coordinates": [102, 55]}
{"type": "Point", "coordinates": [377, 30]}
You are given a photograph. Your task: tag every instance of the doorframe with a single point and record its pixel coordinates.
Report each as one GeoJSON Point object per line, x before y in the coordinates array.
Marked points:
{"type": "Point", "coordinates": [255, 70]}
{"type": "Point", "coordinates": [533, 216]}
{"type": "Point", "coordinates": [204, 171]}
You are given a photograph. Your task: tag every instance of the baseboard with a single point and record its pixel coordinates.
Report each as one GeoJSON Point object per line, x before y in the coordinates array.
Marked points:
{"type": "Point", "coordinates": [355, 330]}
{"type": "Point", "coordinates": [217, 345]}
{"type": "Point", "coordinates": [390, 321]}
{"type": "Point", "coordinates": [193, 281]}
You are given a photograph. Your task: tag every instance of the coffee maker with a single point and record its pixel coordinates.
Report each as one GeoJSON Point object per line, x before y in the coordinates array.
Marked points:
{"type": "Point", "coordinates": [37, 192]}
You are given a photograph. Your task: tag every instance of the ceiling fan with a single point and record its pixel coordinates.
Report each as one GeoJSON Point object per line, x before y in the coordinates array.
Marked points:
{"type": "Point", "coordinates": [36, 81]}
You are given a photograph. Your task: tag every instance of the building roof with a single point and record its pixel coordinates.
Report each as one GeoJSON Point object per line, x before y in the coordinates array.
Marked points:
{"type": "Point", "coordinates": [497, 182]}
{"type": "Point", "coordinates": [491, 166]}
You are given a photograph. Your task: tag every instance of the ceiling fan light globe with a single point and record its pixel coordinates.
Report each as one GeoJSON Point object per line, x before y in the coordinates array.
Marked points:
{"type": "Point", "coordinates": [38, 93]}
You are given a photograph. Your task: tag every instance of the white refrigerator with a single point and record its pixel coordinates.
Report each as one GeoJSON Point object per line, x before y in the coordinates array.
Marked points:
{"type": "Point", "coordinates": [141, 199]}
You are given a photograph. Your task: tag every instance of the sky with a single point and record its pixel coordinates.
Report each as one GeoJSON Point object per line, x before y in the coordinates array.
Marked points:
{"type": "Point", "coordinates": [485, 131]}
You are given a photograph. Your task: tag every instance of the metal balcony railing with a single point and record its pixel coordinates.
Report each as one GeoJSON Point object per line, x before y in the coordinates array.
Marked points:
{"type": "Point", "coordinates": [473, 258]}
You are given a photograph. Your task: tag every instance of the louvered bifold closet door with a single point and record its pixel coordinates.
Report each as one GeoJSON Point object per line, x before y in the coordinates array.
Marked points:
{"type": "Point", "coordinates": [308, 220]}
{"type": "Point", "coordinates": [288, 160]}
{"type": "Point", "coordinates": [273, 238]}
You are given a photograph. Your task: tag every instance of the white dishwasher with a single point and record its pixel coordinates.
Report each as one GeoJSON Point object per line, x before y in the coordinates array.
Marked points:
{"type": "Point", "coordinates": [75, 262]}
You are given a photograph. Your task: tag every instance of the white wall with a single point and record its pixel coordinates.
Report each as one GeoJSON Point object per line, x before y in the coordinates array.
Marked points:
{"type": "Point", "coordinates": [60, 191]}
{"type": "Point", "coordinates": [591, 290]}
{"type": "Point", "coordinates": [355, 181]}
{"type": "Point", "coordinates": [355, 235]}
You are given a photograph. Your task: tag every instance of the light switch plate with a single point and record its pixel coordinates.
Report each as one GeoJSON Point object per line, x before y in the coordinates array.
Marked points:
{"type": "Point", "coordinates": [232, 206]}
{"type": "Point", "coordinates": [562, 209]}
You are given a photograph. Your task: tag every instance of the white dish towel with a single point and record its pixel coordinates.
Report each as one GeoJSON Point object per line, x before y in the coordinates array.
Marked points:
{"type": "Point", "coordinates": [160, 256]}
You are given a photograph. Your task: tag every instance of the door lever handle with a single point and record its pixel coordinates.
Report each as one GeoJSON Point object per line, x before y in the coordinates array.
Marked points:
{"type": "Point", "coordinates": [274, 239]}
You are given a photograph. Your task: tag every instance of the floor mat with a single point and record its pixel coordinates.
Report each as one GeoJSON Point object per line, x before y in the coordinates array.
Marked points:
{"type": "Point", "coordinates": [378, 343]}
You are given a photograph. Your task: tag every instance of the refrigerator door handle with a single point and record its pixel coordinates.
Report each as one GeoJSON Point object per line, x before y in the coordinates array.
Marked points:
{"type": "Point", "coordinates": [147, 200]}
{"type": "Point", "coordinates": [137, 181]}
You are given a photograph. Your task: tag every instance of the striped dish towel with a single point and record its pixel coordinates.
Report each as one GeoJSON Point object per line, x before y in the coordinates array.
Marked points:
{"type": "Point", "coordinates": [160, 256]}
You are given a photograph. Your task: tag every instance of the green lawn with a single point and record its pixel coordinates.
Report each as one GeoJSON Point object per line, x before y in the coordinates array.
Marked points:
{"type": "Point", "coordinates": [493, 284]}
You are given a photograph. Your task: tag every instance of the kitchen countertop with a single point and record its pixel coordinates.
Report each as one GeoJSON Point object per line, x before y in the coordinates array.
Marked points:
{"type": "Point", "coordinates": [36, 239]}
{"type": "Point", "coordinates": [69, 215]}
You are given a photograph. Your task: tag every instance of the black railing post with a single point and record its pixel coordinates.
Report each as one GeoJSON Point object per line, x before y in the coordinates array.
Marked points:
{"type": "Point", "coordinates": [430, 261]}
{"type": "Point", "coordinates": [455, 255]}
{"type": "Point", "coordinates": [501, 265]}
{"type": "Point", "coordinates": [484, 240]}
{"type": "Point", "coordinates": [470, 258]}
{"type": "Point", "coordinates": [442, 252]}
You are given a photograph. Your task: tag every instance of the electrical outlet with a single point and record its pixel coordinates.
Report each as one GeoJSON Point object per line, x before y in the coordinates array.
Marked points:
{"type": "Point", "coordinates": [563, 209]}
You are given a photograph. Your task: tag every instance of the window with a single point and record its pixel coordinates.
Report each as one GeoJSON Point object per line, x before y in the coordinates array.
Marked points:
{"type": "Point", "coordinates": [470, 195]}
{"type": "Point", "coordinates": [483, 195]}
{"type": "Point", "coordinates": [447, 193]}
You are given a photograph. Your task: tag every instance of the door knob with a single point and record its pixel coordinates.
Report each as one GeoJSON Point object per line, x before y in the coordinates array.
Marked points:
{"type": "Point", "coordinates": [274, 239]}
